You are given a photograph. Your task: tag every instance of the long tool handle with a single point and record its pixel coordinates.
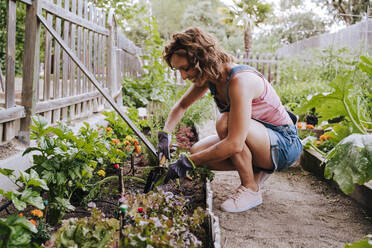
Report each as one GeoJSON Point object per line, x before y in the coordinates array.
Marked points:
{"type": "Point", "coordinates": [96, 83]}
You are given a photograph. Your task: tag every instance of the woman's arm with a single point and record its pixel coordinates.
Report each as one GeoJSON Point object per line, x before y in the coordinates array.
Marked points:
{"type": "Point", "coordinates": [244, 87]}
{"type": "Point", "coordinates": [177, 111]}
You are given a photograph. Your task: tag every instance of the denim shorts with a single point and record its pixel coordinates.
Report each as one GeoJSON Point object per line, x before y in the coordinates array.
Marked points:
{"type": "Point", "coordinates": [286, 146]}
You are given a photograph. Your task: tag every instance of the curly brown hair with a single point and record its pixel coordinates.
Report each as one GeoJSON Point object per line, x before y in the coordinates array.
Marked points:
{"type": "Point", "coordinates": [201, 51]}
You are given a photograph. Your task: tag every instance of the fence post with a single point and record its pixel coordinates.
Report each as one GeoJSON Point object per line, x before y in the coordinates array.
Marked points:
{"type": "Point", "coordinates": [30, 68]}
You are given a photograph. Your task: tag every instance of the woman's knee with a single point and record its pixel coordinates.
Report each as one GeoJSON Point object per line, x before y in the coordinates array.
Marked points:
{"type": "Point", "coordinates": [221, 125]}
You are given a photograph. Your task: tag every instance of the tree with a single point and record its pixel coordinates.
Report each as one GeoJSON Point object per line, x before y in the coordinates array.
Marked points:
{"type": "Point", "coordinates": [349, 11]}
{"type": "Point", "coordinates": [169, 15]}
{"type": "Point", "coordinates": [205, 15]}
{"type": "Point", "coordinates": [246, 14]}
{"type": "Point", "coordinates": [292, 22]}
{"type": "Point", "coordinates": [130, 15]}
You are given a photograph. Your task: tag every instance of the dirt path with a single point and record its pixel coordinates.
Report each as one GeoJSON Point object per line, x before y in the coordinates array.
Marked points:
{"type": "Point", "coordinates": [298, 210]}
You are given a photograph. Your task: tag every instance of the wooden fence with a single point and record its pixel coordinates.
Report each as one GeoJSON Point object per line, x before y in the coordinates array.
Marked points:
{"type": "Point", "coordinates": [267, 64]}
{"type": "Point", "coordinates": [55, 86]}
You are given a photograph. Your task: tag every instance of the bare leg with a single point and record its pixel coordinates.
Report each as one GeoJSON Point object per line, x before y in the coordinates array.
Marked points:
{"type": "Point", "coordinates": [256, 151]}
{"type": "Point", "coordinates": [224, 165]}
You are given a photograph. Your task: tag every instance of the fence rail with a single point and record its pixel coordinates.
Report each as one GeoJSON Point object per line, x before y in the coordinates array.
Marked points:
{"type": "Point", "coordinates": [53, 85]}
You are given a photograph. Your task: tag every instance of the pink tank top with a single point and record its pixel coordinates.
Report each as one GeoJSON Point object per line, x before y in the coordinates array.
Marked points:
{"type": "Point", "coordinates": [267, 107]}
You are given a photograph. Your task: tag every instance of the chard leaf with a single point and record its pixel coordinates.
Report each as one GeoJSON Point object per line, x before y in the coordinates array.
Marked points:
{"type": "Point", "coordinates": [351, 162]}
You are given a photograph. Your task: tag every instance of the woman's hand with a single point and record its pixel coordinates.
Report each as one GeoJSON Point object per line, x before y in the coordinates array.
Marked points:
{"type": "Point", "coordinates": [179, 168]}
{"type": "Point", "coordinates": [164, 139]}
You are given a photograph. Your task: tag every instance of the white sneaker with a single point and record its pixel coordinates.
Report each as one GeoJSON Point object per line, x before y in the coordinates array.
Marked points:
{"type": "Point", "coordinates": [242, 200]}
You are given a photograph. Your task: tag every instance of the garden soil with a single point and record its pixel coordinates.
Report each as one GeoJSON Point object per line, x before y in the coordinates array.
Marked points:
{"type": "Point", "coordinates": [298, 210]}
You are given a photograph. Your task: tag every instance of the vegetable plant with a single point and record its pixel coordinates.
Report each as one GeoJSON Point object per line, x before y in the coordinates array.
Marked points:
{"type": "Point", "coordinates": [29, 189]}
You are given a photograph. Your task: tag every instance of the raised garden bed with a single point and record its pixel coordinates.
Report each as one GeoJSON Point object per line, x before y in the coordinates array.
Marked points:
{"type": "Point", "coordinates": [311, 161]}
{"type": "Point", "coordinates": [185, 205]}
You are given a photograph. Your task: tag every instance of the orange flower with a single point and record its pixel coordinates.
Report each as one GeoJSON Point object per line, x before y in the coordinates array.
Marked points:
{"type": "Point", "coordinates": [108, 129]}
{"type": "Point", "coordinates": [126, 143]}
{"type": "Point", "coordinates": [33, 222]}
{"type": "Point", "coordinates": [325, 137]}
{"type": "Point", "coordinates": [20, 214]}
{"type": "Point", "coordinates": [309, 126]}
{"type": "Point", "coordinates": [318, 142]}
{"type": "Point", "coordinates": [115, 141]}
{"type": "Point", "coordinates": [37, 213]}
{"type": "Point", "coordinates": [137, 149]}
{"type": "Point", "coordinates": [299, 125]}
{"type": "Point", "coordinates": [135, 142]}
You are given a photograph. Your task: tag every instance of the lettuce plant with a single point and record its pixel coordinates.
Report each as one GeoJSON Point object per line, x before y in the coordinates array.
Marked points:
{"type": "Point", "coordinates": [158, 219]}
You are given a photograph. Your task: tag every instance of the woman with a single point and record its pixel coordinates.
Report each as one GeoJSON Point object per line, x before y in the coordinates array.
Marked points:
{"type": "Point", "coordinates": [256, 135]}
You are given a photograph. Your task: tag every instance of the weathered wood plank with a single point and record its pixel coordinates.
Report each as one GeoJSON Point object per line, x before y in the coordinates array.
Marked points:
{"type": "Point", "coordinates": [31, 62]}
{"type": "Point", "coordinates": [2, 81]}
{"type": "Point", "coordinates": [95, 42]}
{"type": "Point", "coordinates": [90, 44]}
{"type": "Point", "coordinates": [64, 102]}
{"type": "Point", "coordinates": [48, 116]}
{"type": "Point", "coordinates": [66, 59]}
{"type": "Point", "coordinates": [57, 60]}
{"type": "Point", "coordinates": [9, 132]}
{"type": "Point", "coordinates": [47, 61]}
{"type": "Point", "coordinates": [11, 114]}
{"type": "Point", "coordinates": [73, 48]}
{"type": "Point", "coordinates": [99, 59]}
{"type": "Point", "coordinates": [79, 39]}
{"type": "Point", "coordinates": [85, 50]}
{"type": "Point", "coordinates": [56, 115]}
{"type": "Point", "coordinates": [10, 54]}
{"type": "Point", "coordinates": [70, 17]}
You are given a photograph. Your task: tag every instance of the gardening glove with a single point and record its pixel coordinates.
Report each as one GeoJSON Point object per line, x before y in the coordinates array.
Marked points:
{"type": "Point", "coordinates": [164, 139]}
{"type": "Point", "coordinates": [179, 168]}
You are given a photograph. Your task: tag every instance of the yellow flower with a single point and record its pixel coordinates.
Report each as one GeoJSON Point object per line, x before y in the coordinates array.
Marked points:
{"type": "Point", "coordinates": [37, 213]}
{"type": "Point", "coordinates": [102, 173]}
{"type": "Point", "coordinates": [137, 149]}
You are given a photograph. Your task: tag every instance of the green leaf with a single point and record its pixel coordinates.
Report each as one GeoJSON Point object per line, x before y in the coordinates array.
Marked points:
{"type": "Point", "coordinates": [6, 172]}
{"type": "Point", "coordinates": [61, 178]}
{"type": "Point", "coordinates": [31, 149]}
{"type": "Point", "coordinates": [18, 204]}
{"type": "Point", "coordinates": [350, 162]}
{"type": "Point", "coordinates": [24, 222]}
{"type": "Point", "coordinates": [36, 181]}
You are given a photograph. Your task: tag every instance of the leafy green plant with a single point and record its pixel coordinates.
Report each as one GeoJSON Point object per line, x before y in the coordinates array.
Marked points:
{"type": "Point", "coordinates": [64, 160]}
{"type": "Point", "coordinates": [16, 231]}
{"type": "Point", "coordinates": [158, 219]}
{"type": "Point", "coordinates": [29, 192]}
{"type": "Point", "coordinates": [350, 162]}
{"type": "Point", "coordinates": [93, 232]}
{"type": "Point", "coordinates": [339, 102]}
{"type": "Point", "coordinates": [153, 84]}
